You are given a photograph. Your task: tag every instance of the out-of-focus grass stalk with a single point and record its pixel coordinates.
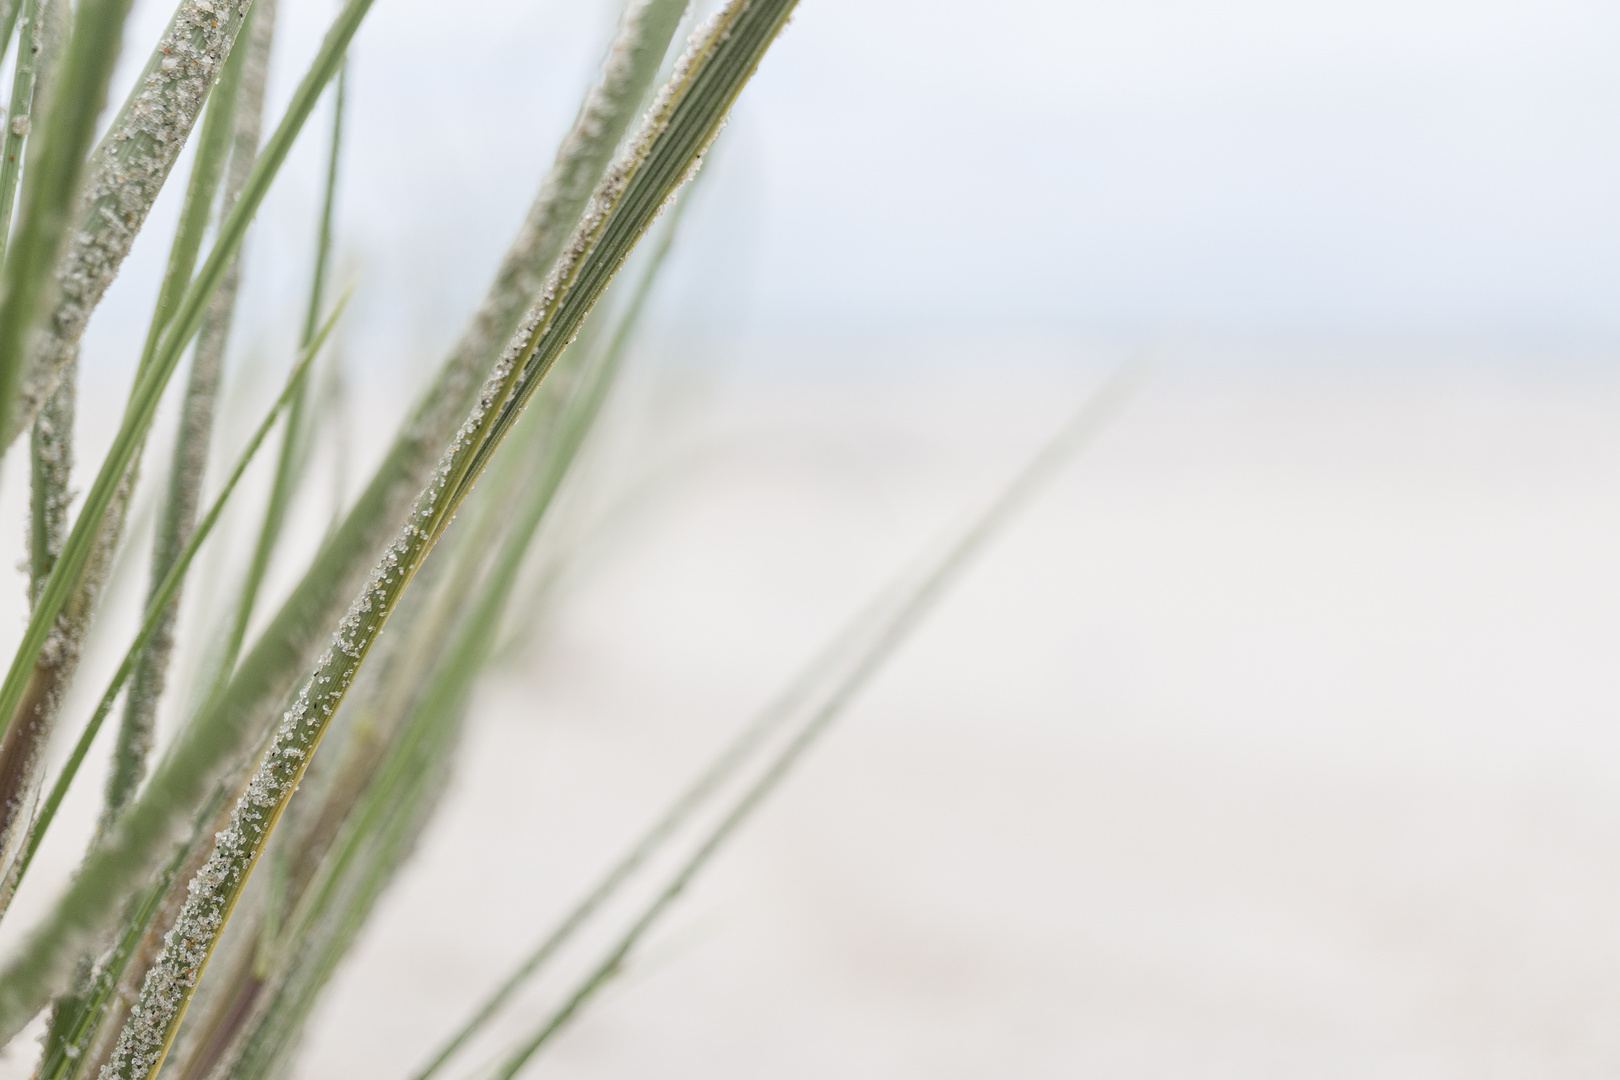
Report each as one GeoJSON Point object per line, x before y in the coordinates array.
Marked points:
{"type": "Point", "coordinates": [242, 84]}
{"type": "Point", "coordinates": [50, 467]}
{"type": "Point", "coordinates": [43, 964]}
{"type": "Point", "coordinates": [294, 435]}
{"type": "Point", "coordinates": [679, 127]}
{"type": "Point", "coordinates": [50, 188]}
{"type": "Point", "coordinates": [134, 735]}
{"type": "Point", "coordinates": [20, 114]}
{"type": "Point", "coordinates": [162, 597]}
{"type": "Point", "coordinates": [880, 634]}
{"type": "Point", "coordinates": [126, 171]}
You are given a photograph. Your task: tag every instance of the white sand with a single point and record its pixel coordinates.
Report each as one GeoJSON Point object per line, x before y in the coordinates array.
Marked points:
{"type": "Point", "coordinates": [1278, 740]}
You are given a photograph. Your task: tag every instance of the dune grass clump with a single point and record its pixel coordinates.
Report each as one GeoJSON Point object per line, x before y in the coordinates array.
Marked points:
{"type": "Point", "coordinates": [232, 867]}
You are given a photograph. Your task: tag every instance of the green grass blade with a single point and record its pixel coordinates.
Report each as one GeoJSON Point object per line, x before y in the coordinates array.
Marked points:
{"type": "Point", "coordinates": [127, 170]}
{"type": "Point", "coordinates": [150, 385]}
{"type": "Point", "coordinates": [20, 114]}
{"type": "Point", "coordinates": [882, 636]}
{"type": "Point", "coordinates": [51, 187]}
{"type": "Point", "coordinates": [163, 596]}
{"type": "Point", "coordinates": [659, 159]}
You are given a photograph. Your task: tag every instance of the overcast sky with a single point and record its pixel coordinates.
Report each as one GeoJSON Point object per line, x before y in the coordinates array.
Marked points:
{"type": "Point", "coordinates": [1420, 173]}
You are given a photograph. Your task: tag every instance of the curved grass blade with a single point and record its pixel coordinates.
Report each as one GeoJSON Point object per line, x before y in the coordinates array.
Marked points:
{"type": "Point", "coordinates": [881, 635]}
{"type": "Point", "coordinates": [169, 587]}
{"type": "Point", "coordinates": [679, 127]}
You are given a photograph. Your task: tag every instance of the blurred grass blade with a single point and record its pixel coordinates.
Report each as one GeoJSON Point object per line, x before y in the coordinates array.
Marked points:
{"type": "Point", "coordinates": [294, 433]}
{"type": "Point", "coordinates": [44, 962]}
{"type": "Point", "coordinates": [51, 188]}
{"type": "Point", "coordinates": [20, 114]}
{"type": "Point", "coordinates": [163, 596]}
{"type": "Point", "coordinates": [127, 170]}
{"type": "Point", "coordinates": [881, 635]}
{"type": "Point", "coordinates": [663, 154]}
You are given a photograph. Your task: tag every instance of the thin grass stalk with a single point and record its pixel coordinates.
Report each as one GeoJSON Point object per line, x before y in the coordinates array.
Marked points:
{"type": "Point", "coordinates": [50, 189]}
{"type": "Point", "coordinates": [50, 467]}
{"type": "Point", "coordinates": [134, 740]}
{"type": "Point", "coordinates": [294, 434]}
{"type": "Point", "coordinates": [126, 172]}
{"type": "Point", "coordinates": [885, 638]}
{"type": "Point", "coordinates": [678, 130]}
{"type": "Point", "coordinates": [197, 410]}
{"type": "Point", "coordinates": [20, 114]}
{"type": "Point", "coordinates": [253, 992]}
{"type": "Point", "coordinates": [162, 598]}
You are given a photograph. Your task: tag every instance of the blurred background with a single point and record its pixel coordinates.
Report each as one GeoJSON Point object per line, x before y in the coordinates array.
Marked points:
{"type": "Point", "coordinates": [1278, 738]}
